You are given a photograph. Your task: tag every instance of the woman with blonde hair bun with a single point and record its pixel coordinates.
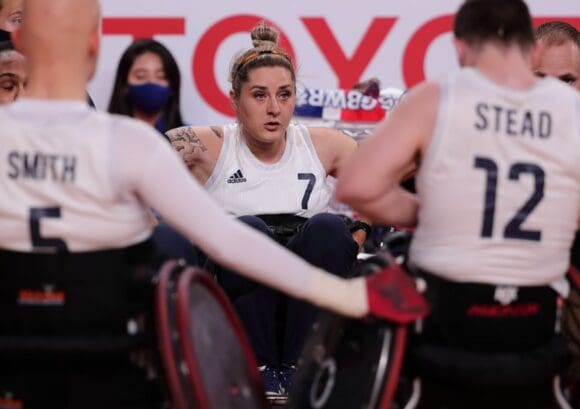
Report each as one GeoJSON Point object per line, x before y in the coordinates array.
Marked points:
{"type": "Point", "coordinates": [275, 175]}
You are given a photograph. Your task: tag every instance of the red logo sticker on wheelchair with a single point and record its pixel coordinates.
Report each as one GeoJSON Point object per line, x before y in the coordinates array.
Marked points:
{"type": "Point", "coordinates": [48, 296]}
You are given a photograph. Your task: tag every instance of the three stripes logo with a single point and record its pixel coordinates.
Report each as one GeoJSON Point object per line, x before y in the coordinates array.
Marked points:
{"type": "Point", "coordinates": [237, 177]}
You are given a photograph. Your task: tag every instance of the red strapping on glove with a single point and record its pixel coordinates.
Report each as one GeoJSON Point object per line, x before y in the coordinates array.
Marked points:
{"type": "Point", "coordinates": [392, 296]}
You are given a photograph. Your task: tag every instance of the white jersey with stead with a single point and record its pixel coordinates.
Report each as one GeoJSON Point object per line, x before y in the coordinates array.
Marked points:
{"type": "Point", "coordinates": [499, 186]}
{"type": "Point", "coordinates": [297, 184]}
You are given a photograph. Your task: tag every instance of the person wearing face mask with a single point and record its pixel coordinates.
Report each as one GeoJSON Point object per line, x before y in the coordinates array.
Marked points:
{"type": "Point", "coordinates": [12, 73]}
{"type": "Point", "coordinates": [147, 86]}
{"type": "Point", "coordinates": [10, 17]}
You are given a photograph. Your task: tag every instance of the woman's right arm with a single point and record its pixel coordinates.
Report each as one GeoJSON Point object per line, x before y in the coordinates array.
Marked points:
{"type": "Point", "coordinates": [199, 148]}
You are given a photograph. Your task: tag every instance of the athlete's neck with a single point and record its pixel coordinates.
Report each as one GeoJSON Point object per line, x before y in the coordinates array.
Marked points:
{"type": "Point", "coordinates": [506, 66]}
{"type": "Point", "coordinates": [46, 83]}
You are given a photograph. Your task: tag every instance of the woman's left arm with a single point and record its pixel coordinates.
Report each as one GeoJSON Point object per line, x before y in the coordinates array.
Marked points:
{"type": "Point", "coordinates": [334, 148]}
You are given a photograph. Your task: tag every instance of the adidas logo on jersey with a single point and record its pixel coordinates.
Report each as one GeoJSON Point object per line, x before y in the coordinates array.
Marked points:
{"type": "Point", "coordinates": [237, 177]}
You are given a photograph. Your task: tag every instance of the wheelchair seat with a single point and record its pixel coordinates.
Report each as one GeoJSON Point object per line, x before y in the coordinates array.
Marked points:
{"type": "Point", "coordinates": [461, 367]}
{"type": "Point", "coordinates": [68, 314]}
{"type": "Point", "coordinates": [75, 323]}
{"type": "Point", "coordinates": [74, 302]}
{"type": "Point", "coordinates": [487, 345]}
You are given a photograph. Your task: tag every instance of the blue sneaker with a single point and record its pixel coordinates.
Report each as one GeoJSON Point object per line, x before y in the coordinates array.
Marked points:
{"type": "Point", "coordinates": [271, 381]}
{"type": "Point", "coordinates": [286, 376]}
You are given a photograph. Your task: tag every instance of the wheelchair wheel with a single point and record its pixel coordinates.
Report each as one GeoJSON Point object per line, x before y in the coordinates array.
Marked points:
{"type": "Point", "coordinates": [168, 337]}
{"type": "Point", "coordinates": [222, 370]}
{"type": "Point", "coordinates": [349, 364]}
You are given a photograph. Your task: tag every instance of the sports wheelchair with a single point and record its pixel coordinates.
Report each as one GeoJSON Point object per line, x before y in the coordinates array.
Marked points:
{"type": "Point", "coordinates": [379, 365]}
{"type": "Point", "coordinates": [104, 329]}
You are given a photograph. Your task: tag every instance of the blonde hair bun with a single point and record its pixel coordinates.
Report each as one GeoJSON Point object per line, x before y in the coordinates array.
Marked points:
{"type": "Point", "coordinates": [264, 35]}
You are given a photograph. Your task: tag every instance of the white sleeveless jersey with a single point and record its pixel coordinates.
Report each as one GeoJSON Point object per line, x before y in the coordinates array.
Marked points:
{"type": "Point", "coordinates": [297, 184]}
{"type": "Point", "coordinates": [58, 180]}
{"type": "Point", "coordinates": [499, 187]}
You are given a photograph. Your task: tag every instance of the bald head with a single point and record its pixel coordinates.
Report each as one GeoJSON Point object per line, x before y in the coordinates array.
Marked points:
{"type": "Point", "coordinates": [60, 39]}
{"type": "Point", "coordinates": [71, 22]}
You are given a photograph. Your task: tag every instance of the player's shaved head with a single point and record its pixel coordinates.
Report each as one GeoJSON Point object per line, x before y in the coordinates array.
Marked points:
{"type": "Point", "coordinates": [70, 25]}
{"type": "Point", "coordinates": [60, 40]}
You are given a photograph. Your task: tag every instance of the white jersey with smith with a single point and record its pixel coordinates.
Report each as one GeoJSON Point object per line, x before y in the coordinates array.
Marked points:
{"type": "Point", "coordinates": [499, 188]}
{"type": "Point", "coordinates": [59, 179]}
{"type": "Point", "coordinates": [297, 184]}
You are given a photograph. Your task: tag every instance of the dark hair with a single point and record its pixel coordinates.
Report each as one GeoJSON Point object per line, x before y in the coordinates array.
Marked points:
{"type": "Point", "coordinates": [557, 32]}
{"type": "Point", "coordinates": [502, 21]}
{"type": "Point", "coordinates": [265, 53]}
{"type": "Point", "coordinates": [6, 46]}
{"type": "Point", "coordinates": [119, 103]}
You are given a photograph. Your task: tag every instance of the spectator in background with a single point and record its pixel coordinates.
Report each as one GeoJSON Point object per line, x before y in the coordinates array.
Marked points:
{"type": "Point", "coordinates": [558, 55]}
{"type": "Point", "coordinates": [558, 52]}
{"type": "Point", "coordinates": [12, 73]}
{"type": "Point", "coordinates": [147, 86]}
{"type": "Point", "coordinates": [10, 17]}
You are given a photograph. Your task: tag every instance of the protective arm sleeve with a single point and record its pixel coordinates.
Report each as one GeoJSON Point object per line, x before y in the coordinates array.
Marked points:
{"type": "Point", "coordinates": [146, 166]}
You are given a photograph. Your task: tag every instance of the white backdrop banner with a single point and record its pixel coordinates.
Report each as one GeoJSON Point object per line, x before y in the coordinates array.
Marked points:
{"type": "Point", "coordinates": [335, 43]}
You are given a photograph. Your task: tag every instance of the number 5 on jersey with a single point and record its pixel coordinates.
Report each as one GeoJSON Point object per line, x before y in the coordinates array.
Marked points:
{"type": "Point", "coordinates": [47, 244]}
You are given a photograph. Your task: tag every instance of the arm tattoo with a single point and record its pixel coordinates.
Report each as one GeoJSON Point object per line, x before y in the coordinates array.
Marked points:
{"type": "Point", "coordinates": [217, 130]}
{"type": "Point", "coordinates": [188, 135]}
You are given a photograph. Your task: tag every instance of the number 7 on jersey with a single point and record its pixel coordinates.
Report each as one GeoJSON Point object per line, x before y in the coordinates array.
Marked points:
{"type": "Point", "coordinates": [311, 178]}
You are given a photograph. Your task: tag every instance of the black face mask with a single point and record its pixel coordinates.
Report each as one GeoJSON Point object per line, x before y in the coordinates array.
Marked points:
{"type": "Point", "coordinates": [4, 35]}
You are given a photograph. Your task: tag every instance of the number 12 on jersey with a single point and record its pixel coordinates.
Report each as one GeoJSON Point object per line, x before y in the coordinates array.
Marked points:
{"type": "Point", "coordinates": [513, 228]}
